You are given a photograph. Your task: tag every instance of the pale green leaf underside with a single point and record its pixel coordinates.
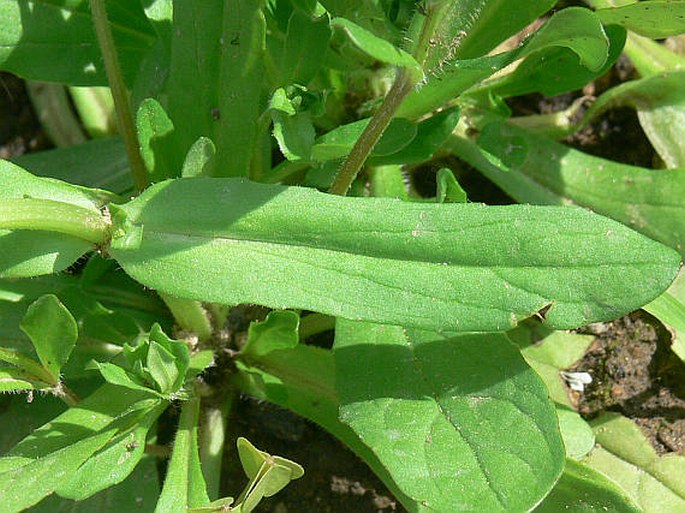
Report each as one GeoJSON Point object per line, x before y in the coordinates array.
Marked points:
{"type": "Point", "coordinates": [461, 423]}
{"type": "Point", "coordinates": [463, 267]}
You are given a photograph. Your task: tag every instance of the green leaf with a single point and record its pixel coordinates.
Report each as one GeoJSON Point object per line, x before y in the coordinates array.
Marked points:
{"type": "Point", "coordinates": [156, 138]}
{"type": "Point", "coordinates": [583, 490]}
{"type": "Point", "coordinates": [430, 136]}
{"type": "Point", "coordinates": [650, 201]}
{"type": "Point", "coordinates": [450, 266]}
{"type": "Point", "coordinates": [137, 493]}
{"type": "Point", "coordinates": [33, 252]}
{"type": "Point", "coordinates": [671, 311]}
{"type": "Point", "coordinates": [278, 331]}
{"type": "Point", "coordinates": [574, 36]}
{"type": "Point", "coordinates": [471, 28]}
{"type": "Point", "coordinates": [162, 367]}
{"type": "Point", "coordinates": [378, 48]}
{"type": "Point", "coordinates": [41, 463]}
{"type": "Point", "coordinates": [184, 486]}
{"type": "Point", "coordinates": [449, 190]}
{"type": "Point", "coordinates": [200, 159]}
{"type": "Point", "coordinates": [339, 142]}
{"type": "Point", "coordinates": [660, 104]}
{"type": "Point", "coordinates": [577, 434]}
{"type": "Point", "coordinates": [304, 49]}
{"type": "Point", "coordinates": [626, 457]}
{"type": "Point", "coordinates": [100, 163]}
{"type": "Point", "coordinates": [226, 79]}
{"type": "Point", "coordinates": [657, 19]}
{"type": "Point", "coordinates": [268, 475]}
{"type": "Point", "coordinates": [575, 50]}
{"type": "Point", "coordinates": [13, 379]}
{"type": "Point", "coordinates": [447, 404]}
{"type": "Point", "coordinates": [115, 461]}
{"type": "Point", "coordinates": [53, 331]}
{"type": "Point", "coordinates": [293, 129]}
{"type": "Point", "coordinates": [549, 352]}
{"type": "Point", "coordinates": [55, 41]}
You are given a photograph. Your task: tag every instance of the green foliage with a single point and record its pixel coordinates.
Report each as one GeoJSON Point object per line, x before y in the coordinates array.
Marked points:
{"type": "Point", "coordinates": [242, 109]}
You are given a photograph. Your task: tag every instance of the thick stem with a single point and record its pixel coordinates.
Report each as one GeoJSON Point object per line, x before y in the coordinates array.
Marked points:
{"type": "Point", "coordinates": [54, 216]}
{"type": "Point", "coordinates": [119, 92]}
{"type": "Point", "coordinates": [372, 133]}
{"type": "Point", "coordinates": [190, 315]}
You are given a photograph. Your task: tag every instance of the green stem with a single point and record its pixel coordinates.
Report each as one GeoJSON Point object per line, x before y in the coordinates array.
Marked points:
{"type": "Point", "coordinates": [212, 443]}
{"type": "Point", "coordinates": [372, 133]}
{"type": "Point", "coordinates": [190, 315]}
{"type": "Point", "coordinates": [403, 85]}
{"type": "Point", "coordinates": [119, 92]}
{"type": "Point", "coordinates": [54, 216]}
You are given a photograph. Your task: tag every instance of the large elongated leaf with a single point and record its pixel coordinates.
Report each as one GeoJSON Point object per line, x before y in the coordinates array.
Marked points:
{"type": "Point", "coordinates": [460, 422]}
{"type": "Point", "coordinates": [55, 41]}
{"type": "Point", "coordinates": [535, 169]}
{"type": "Point", "coordinates": [216, 52]}
{"type": "Point", "coordinates": [451, 266]}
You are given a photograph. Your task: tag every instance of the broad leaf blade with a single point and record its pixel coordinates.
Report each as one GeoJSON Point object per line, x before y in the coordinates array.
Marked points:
{"type": "Point", "coordinates": [472, 418]}
{"type": "Point", "coordinates": [450, 266]}
{"type": "Point", "coordinates": [53, 331]}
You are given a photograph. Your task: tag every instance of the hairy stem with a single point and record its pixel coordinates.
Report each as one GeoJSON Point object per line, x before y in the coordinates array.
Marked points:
{"type": "Point", "coordinates": [190, 315]}
{"type": "Point", "coordinates": [54, 216]}
{"type": "Point", "coordinates": [119, 93]}
{"type": "Point", "coordinates": [372, 133]}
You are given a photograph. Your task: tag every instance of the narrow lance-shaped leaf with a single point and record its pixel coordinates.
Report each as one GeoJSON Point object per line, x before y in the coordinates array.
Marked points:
{"type": "Point", "coordinates": [461, 423]}
{"type": "Point", "coordinates": [450, 266]}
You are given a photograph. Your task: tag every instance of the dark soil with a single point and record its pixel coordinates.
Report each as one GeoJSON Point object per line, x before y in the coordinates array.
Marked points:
{"type": "Point", "coordinates": [635, 373]}
{"type": "Point", "coordinates": [335, 480]}
{"type": "Point", "coordinates": [20, 131]}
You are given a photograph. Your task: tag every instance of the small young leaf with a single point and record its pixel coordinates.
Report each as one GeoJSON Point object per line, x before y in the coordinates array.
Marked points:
{"type": "Point", "coordinates": [53, 331]}
{"type": "Point", "coordinates": [278, 331]}
{"type": "Point", "coordinates": [161, 365]}
{"type": "Point", "coordinates": [378, 48]}
{"type": "Point", "coordinates": [157, 140]}
{"type": "Point", "coordinates": [199, 160]}
{"type": "Point", "coordinates": [449, 190]}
